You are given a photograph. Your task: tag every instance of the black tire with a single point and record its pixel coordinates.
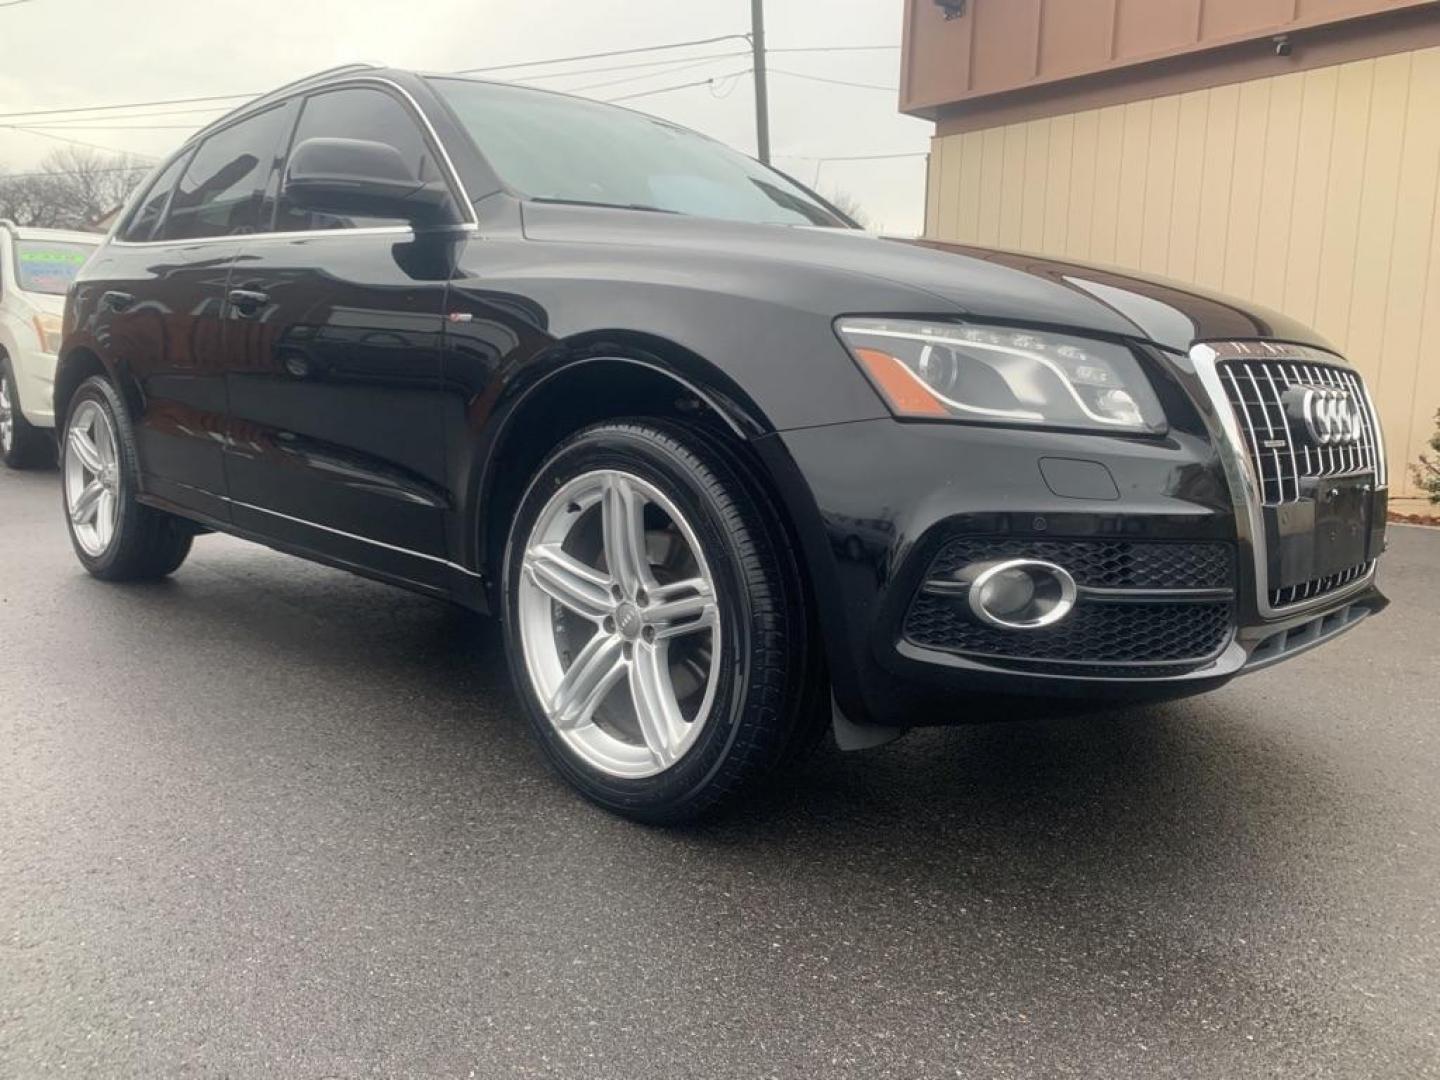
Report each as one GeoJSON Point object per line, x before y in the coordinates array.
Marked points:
{"type": "Point", "coordinates": [763, 713]}
{"type": "Point", "coordinates": [146, 543]}
{"type": "Point", "coordinates": [27, 447]}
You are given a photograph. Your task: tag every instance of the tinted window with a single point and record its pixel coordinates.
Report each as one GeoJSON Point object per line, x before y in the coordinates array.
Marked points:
{"type": "Point", "coordinates": [223, 190]}
{"type": "Point", "coordinates": [565, 149]}
{"type": "Point", "coordinates": [358, 113]}
{"type": "Point", "coordinates": [142, 224]}
{"type": "Point", "coordinates": [45, 267]}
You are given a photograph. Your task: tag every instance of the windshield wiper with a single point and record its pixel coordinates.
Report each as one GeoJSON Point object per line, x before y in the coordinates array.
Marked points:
{"type": "Point", "coordinates": [593, 202]}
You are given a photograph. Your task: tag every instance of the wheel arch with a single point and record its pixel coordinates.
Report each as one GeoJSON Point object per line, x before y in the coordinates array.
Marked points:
{"type": "Point", "coordinates": [598, 376]}
{"type": "Point", "coordinates": [81, 362]}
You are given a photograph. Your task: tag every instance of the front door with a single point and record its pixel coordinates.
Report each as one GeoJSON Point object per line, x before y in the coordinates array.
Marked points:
{"type": "Point", "coordinates": [333, 370]}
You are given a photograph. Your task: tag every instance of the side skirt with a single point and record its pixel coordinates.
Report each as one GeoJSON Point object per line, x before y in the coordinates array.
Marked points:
{"type": "Point", "coordinates": [341, 551]}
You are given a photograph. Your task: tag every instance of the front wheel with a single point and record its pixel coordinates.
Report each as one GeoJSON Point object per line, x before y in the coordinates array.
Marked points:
{"type": "Point", "coordinates": [655, 620]}
{"type": "Point", "coordinates": [115, 537]}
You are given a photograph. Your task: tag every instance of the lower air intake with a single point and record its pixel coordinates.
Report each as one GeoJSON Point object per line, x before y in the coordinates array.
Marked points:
{"type": "Point", "coordinates": [1093, 634]}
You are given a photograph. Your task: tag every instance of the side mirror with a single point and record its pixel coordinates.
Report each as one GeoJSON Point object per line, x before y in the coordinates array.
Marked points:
{"type": "Point", "coordinates": [368, 179]}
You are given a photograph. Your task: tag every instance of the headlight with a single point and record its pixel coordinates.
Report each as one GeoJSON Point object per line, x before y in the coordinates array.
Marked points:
{"type": "Point", "coordinates": [51, 329]}
{"type": "Point", "coordinates": [1002, 376]}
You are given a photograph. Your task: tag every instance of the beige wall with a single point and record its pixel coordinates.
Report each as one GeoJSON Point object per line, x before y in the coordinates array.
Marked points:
{"type": "Point", "coordinates": [1314, 193]}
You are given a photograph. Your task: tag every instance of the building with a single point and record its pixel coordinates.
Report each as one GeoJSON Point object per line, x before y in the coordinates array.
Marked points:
{"type": "Point", "coordinates": [1285, 151]}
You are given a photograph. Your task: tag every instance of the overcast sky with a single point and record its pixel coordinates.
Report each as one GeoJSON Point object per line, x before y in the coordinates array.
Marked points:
{"type": "Point", "coordinates": [65, 53]}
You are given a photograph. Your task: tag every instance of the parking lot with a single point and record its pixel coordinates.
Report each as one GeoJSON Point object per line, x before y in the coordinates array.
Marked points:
{"type": "Point", "coordinates": [267, 819]}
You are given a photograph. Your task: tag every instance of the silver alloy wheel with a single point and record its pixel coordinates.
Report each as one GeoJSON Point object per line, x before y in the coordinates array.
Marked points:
{"type": "Point", "coordinates": [7, 415]}
{"type": "Point", "coordinates": [619, 623]}
{"type": "Point", "coordinates": [92, 478]}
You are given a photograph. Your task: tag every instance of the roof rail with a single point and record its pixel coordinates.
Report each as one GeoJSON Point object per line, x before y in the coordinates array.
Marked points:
{"type": "Point", "coordinates": [294, 84]}
{"type": "Point", "coordinates": [314, 77]}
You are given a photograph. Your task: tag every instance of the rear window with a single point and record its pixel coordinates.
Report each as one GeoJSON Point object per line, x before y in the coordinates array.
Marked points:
{"type": "Point", "coordinates": [223, 191]}
{"type": "Point", "coordinates": [45, 267]}
{"type": "Point", "coordinates": [152, 206]}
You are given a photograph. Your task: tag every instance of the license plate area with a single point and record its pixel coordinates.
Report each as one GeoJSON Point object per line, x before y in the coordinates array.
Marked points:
{"type": "Point", "coordinates": [1327, 531]}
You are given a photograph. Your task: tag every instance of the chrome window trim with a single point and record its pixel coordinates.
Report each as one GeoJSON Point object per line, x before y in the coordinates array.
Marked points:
{"type": "Point", "coordinates": [457, 188]}
{"type": "Point", "coordinates": [1245, 491]}
{"type": "Point", "coordinates": [303, 234]}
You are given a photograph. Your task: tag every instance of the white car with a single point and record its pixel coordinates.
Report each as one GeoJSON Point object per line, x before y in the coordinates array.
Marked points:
{"type": "Point", "coordinates": [36, 267]}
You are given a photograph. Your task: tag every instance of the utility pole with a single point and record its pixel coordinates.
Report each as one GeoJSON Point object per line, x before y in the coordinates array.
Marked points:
{"type": "Point", "coordinates": [762, 88]}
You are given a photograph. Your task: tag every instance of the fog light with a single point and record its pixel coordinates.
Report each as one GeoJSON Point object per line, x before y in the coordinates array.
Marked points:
{"type": "Point", "coordinates": [1007, 592]}
{"type": "Point", "coordinates": [1020, 594]}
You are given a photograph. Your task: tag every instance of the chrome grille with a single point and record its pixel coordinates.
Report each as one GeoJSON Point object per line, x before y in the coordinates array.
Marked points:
{"type": "Point", "coordinates": [1254, 387]}
{"type": "Point", "coordinates": [1244, 383]}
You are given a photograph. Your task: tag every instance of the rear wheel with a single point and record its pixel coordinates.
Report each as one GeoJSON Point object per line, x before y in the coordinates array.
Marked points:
{"type": "Point", "coordinates": [115, 537]}
{"type": "Point", "coordinates": [22, 444]}
{"type": "Point", "coordinates": [655, 621]}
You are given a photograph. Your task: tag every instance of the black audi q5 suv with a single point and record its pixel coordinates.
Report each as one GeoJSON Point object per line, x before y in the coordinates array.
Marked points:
{"type": "Point", "coordinates": [731, 470]}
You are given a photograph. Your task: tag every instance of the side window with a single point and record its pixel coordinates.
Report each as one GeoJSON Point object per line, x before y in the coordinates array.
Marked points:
{"type": "Point", "coordinates": [152, 207]}
{"type": "Point", "coordinates": [223, 190]}
{"type": "Point", "coordinates": [357, 113]}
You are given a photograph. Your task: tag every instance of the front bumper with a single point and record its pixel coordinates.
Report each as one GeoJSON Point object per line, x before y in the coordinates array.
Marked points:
{"type": "Point", "coordinates": [35, 380]}
{"type": "Point", "coordinates": [885, 498]}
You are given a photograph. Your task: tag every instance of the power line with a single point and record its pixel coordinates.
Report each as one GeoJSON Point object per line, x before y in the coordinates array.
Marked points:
{"type": "Point", "coordinates": [837, 48]}
{"type": "Point", "coordinates": [106, 127]}
{"type": "Point", "coordinates": [16, 3]}
{"type": "Point", "coordinates": [462, 71]}
{"type": "Point", "coordinates": [127, 105]}
{"type": "Point", "coordinates": [624, 67]}
{"type": "Point", "coordinates": [837, 82]}
{"type": "Point", "coordinates": [858, 157]}
{"type": "Point", "coordinates": [25, 114]}
{"type": "Point", "coordinates": [73, 142]}
{"type": "Point", "coordinates": [682, 86]}
{"type": "Point", "coordinates": [75, 172]}
{"type": "Point", "coordinates": [603, 55]}
{"type": "Point", "coordinates": [651, 75]}
{"type": "Point", "coordinates": [67, 121]}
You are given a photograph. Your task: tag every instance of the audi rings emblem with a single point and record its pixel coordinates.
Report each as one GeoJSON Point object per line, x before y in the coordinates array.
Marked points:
{"type": "Point", "coordinates": [1328, 415]}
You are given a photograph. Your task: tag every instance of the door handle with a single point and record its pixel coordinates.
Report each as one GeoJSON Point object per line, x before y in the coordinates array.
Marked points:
{"type": "Point", "coordinates": [117, 301]}
{"type": "Point", "coordinates": [248, 302]}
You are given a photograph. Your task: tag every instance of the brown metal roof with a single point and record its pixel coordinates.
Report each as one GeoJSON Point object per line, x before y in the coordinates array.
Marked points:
{"type": "Point", "coordinates": [997, 47]}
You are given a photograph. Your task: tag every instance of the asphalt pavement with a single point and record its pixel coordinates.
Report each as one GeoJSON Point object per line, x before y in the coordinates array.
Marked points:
{"type": "Point", "coordinates": [270, 820]}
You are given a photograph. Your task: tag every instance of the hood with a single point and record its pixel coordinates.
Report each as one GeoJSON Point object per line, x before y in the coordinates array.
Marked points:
{"type": "Point", "coordinates": [1174, 314]}
{"type": "Point", "coordinates": [958, 280]}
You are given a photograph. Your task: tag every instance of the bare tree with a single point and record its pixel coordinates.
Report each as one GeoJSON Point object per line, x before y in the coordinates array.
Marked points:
{"type": "Point", "coordinates": [850, 207]}
{"type": "Point", "coordinates": [72, 189]}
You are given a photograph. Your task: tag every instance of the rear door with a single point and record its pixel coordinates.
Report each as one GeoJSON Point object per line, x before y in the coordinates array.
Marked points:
{"type": "Point", "coordinates": [333, 366]}
{"type": "Point", "coordinates": [163, 298]}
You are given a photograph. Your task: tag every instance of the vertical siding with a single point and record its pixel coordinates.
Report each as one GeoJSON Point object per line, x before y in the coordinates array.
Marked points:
{"type": "Point", "coordinates": [1060, 165]}
{"type": "Point", "coordinates": [1081, 203]}
{"type": "Point", "coordinates": [1034, 186]}
{"type": "Point", "coordinates": [1316, 193]}
{"type": "Point", "coordinates": [1189, 187]}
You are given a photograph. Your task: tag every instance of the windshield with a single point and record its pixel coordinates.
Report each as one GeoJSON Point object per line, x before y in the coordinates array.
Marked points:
{"type": "Point", "coordinates": [564, 149]}
{"type": "Point", "coordinates": [45, 267]}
